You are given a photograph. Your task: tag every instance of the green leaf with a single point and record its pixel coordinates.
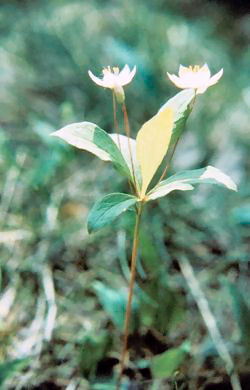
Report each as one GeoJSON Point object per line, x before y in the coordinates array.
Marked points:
{"type": "Point", "coordinates": [165, 364]}
{"type": "Point", "coordinates": [181, 104]}
{"type": "Point", "coordinates": [183, 181]}
{"type": "Point", "coordinates": [88, 136]}
{"type": "Point", "coordinates": [114, 303]}
{"type": "Point", "coordinates": [122, 142]}
{"type": "Point", "coordinates": [107, 209]}
{"type": "Point", "coordinates": [93, 347]}
{"type": "Point", "coordinates": [11, 367]}
{"type": "Point", "coordinates": [152, 143]}
{"type": "Point", "coordinates": [241, 312]}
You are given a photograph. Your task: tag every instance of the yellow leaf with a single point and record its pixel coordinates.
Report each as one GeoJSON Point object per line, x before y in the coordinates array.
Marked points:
{"type": "Point", "coordinates": [152, 144]}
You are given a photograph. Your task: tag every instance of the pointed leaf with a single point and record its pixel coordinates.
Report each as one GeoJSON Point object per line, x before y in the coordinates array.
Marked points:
{"type": "Point", "coordinates": [114, 302]}
{"type": "Point", "coordinates": [122, 142]}
{"type": "Point", "coordinates": [181, 104]}
{"type": "Point", "coordinates": [152, 143]}
{"type": "Point", "coordinates": [107, 209]}
{"type": "Point", "coordinates": [183, 181]}
{"type": "Point", "coordinates": [165, 364]}
{"type": "Point", "coordinates": [94, 345]}
{"type": "Point", "coordinates": [88, 136]}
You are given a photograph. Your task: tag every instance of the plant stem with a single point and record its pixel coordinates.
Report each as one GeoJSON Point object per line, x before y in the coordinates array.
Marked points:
{"type": "Point", "coordinates": [127, 130]}
{"type": "Point", "coordinates": [131, 288]}
{"type": "Point", "coordinates": [132, 185]}
{"type": "Point", "coordinates": [210, 321]}
{"type": "Point", "coordinates": [169, 161]}
{"type": "Point", "coordinates": [115, 120]}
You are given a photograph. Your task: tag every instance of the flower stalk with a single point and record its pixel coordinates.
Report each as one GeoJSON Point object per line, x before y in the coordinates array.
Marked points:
{"type": "Point", "coordinates": [127, 131]}
{"type": "Point", "coordinates": [115, 119]}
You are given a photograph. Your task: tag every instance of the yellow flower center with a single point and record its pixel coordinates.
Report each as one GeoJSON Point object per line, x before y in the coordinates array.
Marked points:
{"type": "Point", "coordinates": [108, 70]}
{"type": "Point", "coordinates": [194, 69]}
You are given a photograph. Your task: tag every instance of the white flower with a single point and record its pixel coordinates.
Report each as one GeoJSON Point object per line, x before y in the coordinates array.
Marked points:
{"type": "Point", "coordinates": [113, 78]}
{"type": "Point", "coordinates": [198, 78]}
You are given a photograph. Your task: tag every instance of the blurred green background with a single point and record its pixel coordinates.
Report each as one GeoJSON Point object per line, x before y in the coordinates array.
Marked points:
{"type": "Point", "coordinates": [63, 292]}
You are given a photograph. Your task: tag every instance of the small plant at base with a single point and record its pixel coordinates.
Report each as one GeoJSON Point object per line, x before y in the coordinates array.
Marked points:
{"type": "Point", "coordinates": [138, 160]}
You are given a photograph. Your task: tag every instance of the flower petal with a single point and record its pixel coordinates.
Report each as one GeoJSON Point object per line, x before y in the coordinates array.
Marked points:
{"type": "Point", "coordinates": [195, 77]}
{"type": "Point", "coordinates": [216, 77]}
{"type": "Point", "coordinates": [124, 73]}
{"type": "Point", "coordinates": [109, 80]}
{"type": "Point", "coordinates": [177, 81]}
{"type": "Point", "coordinates": [126, 80]}
{"type": "Point", "coordinates": [183, 70]}
{"type": "Point", "coordinates": [96, 80]}
{"type": "Point", "coordinates": [206, 70]}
